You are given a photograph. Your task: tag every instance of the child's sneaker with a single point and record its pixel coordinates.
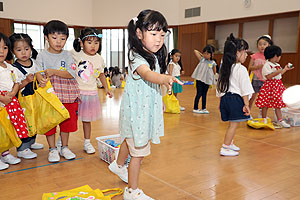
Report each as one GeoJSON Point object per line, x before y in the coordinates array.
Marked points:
{"type": "Point", "coordinates": [284, 124]}
{"type": "Point", "coordinates": [10, 159]}
{"type": "Point", "coordinates": [37, 146]}
{"type": "Point", "coordinates": [233, 147]}
{"type": "Point", "coordinates": [3, 165]}
{"type": "Point", "coordinates": [198, 111]}
{"type": "Point", "coordinates": [67, 153]}
{"type": "Point", "coordinates": [204, 111]}
{"type": "Point", "coordinates": [27, 154]}
{"type": "Point", "coordinates": [182, 108]}
{"type": "Point", "coordinates": [122, 172]}
{"type": "Point", "coordinates": [53, 156]}
{"type": "Point", "coordinates": [88, 148]}
{"type": "Point", "coordinates": [137, 194]}
{"type": "Point", "coordinates": [228, 152]}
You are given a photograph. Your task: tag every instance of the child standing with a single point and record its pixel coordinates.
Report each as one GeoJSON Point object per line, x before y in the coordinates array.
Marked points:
{"type": "Point", "coordinates": [204, 75]}
{"type": "Point", "coordinates": [59, 68]}
{"type": "Point", "coordinates": [117, 77]}
{"type": "Point", "coordinates": [270, 95]}
{"type": "Point", "coordinates": [235, 87]}
{"type": "Point", "coordinates": [10, 79]}
{"type": "Point", "coordinates": [141, 111]}
{"type": "Point", "coordinates": [90, 66]}
{"type": "Point", "coordinates": [21, 45]}
{"type": "Point", "coordinates": [256, 64]}
{"type": "Point", "coordinates": [175, 69]}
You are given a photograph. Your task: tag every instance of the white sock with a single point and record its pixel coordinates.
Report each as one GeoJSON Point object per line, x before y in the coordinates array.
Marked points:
{"type": "Point", "coordinates": [86, 141]}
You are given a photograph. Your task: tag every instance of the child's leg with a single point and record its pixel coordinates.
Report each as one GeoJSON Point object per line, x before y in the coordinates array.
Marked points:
{"type": "Point", "coordinates": [123, 153]}
{"type": "Point", "coordinates": [264, 112]}
{"type": "Point", "coordinates": [64, 138]}
{"type": "Point", "coordinates": [230, 132]}
{"type": "Point", "coordinates": [51, 140]}
{"type": "Point", "coordinates": [134, 171]}
{"type": "Point", "coordinates": [65, 151]}
{"type": "Point", "coordinates": [87, 129]}
{"type": "Point", "coordinates": [198, 95]}
{"type": "Point", "coordinates": [175, 94]}
{"type": "Point", "coordinates": [278, 114]}
{"type": "Point", "coordinates": [251, 101]}
{"type": "Point", "coordinates": [204, 94]}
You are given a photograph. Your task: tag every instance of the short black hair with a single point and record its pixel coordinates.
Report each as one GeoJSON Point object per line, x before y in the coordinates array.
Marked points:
{"type": "Point", "coordinates": [271, 51]}
{"type": "Point", "coordinates": [56, 26]}
{"type": "Point", "coordinates": [8, 44]}
{"type": "Point", "coordinates": [209, 49]}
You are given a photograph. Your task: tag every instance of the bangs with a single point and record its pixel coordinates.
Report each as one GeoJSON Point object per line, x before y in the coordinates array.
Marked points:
{"type": "Point", "coordinates": [244, 45]}
{"type": "Point", "coordinates": [92, 38]}
{"type": "Point", "coordinates": [155, 21]}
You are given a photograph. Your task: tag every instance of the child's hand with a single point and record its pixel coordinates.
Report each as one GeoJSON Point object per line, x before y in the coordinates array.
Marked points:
{"type": "Point", "coordinates": [30, 78]}
{"type": "Point", "coordinates": [43, 82]}
{"type": "Point", "coordinates": [246, 110]}
{"type": "Point", "coordinates": [169, 80]}
{"type": "Point", "coordinates": [287, 68]}
{"type": "Point", "coordinates": [6, 99]}
{"type": "Point", "coordinates": [49, 72]}
{"type": "Point", "coordinates": [109, 94]}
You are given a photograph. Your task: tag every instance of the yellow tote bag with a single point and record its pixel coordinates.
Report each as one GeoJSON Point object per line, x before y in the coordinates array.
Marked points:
{"type": "Point", "coordinates": [8, 134]}
{"type": "Point", "coordinates": [172, 103]}
{"type": "Point", "coordinates": [49, 111]}
{"type": "Point", "coordinates": [84, 192]}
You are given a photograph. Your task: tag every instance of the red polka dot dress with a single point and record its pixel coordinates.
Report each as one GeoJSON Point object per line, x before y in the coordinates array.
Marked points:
{"type": "Point", "coordinates": [270, 94]}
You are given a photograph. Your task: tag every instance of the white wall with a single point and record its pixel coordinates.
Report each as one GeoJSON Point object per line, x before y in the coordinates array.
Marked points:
{"type": "Point", "coordinates": [215, 10]}
{"type": "Point", "coordinates": [72, 12]}
{"type": "Point", "coordinates": [119, 12]}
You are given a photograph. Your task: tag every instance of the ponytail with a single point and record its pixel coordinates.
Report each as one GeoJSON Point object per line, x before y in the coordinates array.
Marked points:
{"type": "Point", "coordinates": [76, 45]}
{"type": "Point", "coordinates": [34, 53]}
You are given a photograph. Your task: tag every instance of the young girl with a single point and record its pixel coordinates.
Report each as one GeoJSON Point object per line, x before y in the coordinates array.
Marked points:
{"type": "Point", "coordinates": [90, 65]}
{"type": "Point", "coordinates": [235, 87]}
{"type": "Point", "coordinates": [204, 75]}
{"type": "Point", "coordinates": [117, 77]}
{"type": "Point", "coordinates": [21, 45]}
{"type": "Point", "coordinates": [175, 69]}
{"type": "Point", "coordinates": [270, 95]}
{"type": "Point", "coordinates": [59, 68]}
{"type": "Point", "coordinates": [10, 79]}
{"type": "Point", "coordinates": [256, 64]}
{"type": "Point", "coordinates": [141, 111]}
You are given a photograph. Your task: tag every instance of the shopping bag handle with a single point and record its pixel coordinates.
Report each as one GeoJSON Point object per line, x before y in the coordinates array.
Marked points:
{"type": "Point", "coordinates": [35, 80]}
{"type": "Point", "coordinates": [118, 192]}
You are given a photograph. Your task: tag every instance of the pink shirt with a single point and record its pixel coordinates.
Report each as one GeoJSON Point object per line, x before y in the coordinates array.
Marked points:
{"type": "Point", "coordinates": [258, 59]}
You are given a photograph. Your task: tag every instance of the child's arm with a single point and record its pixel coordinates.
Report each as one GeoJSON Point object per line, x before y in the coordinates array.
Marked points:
{"type": "Point", "coordinates": [5, 99]}
{"type": "Point", "coordinates": [62, 74]}
{"type": "Point", "coordinates": [198, 54]}
{"type": "Point", "coordinates": [42, 81]}
{"type": "Point", "coordinates": [154, 77]}
{"type": "Point", "coordinates": [171, 67]}
{"type": "Point", "coordinates": [14, 91]}
{"type": "Point", "coordinates": [104, 83]}
{"type": "Point", "coordinates": [25, 82]}
{"type": "Point", "coordinates": [246, 108]}
{"type": "Point", "coordinates": [280, 71]}
{"type": "Point", "coordinates": [253, 67]}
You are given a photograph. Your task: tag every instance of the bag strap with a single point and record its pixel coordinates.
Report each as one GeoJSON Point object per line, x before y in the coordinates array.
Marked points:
{"type": "Point", "coordinates": [18, 66]}
{"type": "Point", "coordinates": [118, 192]}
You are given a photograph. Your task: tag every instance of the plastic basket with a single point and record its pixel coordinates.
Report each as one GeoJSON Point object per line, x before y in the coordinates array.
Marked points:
{"type": "Point", "coordinates": [107, 152]}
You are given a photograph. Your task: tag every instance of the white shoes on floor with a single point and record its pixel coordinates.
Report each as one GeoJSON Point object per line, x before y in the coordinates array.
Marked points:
{"type": "Point", "coordinates": [26, 154]}
{"type": "Point", "coordinates": [122, 172]}
{"type": "Point", "coordinates": [137, 194]}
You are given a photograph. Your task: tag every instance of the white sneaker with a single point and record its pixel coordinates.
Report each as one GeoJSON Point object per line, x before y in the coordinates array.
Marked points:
{"type": "Point", "coordinates": [121, 172]}
{"type": "Point", "coordinates": [88, 148]}
{"type": "Point", "coordinates": [67, 153]}
{"type": "Point", "coordinates": [233, 147]}
{"type": "Point", "coordinates": [3, 165]}
{"type": "Point", "coordinates": [284, 124]}
{"type": "Point", "coordinates": [53, 156]}
{"type": "Point", "coordinates": [204, 111]}
{"type": "Point", "coordinates": [182, 108]}
{"type": "Point", "coordinates": [27, 154]}
{"type": "Point", "coordinates": [10, 159]}
{"type": "Point", "coordinates": [228, 152]}
{"type": "Point", "coordinates": [37, 146]}
{"type": "Point", "coordinates": [198, 111]}
{"type": "Point", "coordinates": [137, 194]}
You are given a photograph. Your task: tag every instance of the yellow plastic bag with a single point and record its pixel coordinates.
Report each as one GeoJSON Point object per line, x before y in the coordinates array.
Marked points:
{"type": "Point", "coordinates": [49, 111]}
{"type": "Point", "coordinates": [260, 123]}
{"type": "Point", "coordinates": [123, 84]}
{"type": "Point", "coordinates": [80, 193]}
{"type": "Point", "coordinates": [108, 82]}
{"type": "Point", "coordinates": [8, 134]}
{"type": "Point", "coordinates": [172, 103]}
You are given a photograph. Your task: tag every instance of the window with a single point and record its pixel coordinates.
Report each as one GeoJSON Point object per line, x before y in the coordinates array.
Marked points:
{"type": "Point", "coordinates": [223, 31]}
{"type": "Point", "coordinates": [37, 36]}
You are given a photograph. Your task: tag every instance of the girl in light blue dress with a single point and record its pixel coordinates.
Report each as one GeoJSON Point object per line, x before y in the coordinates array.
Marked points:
{"type": "Point", "coordinates": [141, 112]}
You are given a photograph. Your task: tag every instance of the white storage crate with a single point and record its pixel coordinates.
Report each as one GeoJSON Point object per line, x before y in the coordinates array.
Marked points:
{"type": "Point", "coordinates": [107, 152]}
{"type": "Point", "coordinates": [291, 116]}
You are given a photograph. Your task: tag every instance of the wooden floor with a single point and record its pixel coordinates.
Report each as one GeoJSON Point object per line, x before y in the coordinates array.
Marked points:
{"type": "Point", "coordinates": [186, 165]}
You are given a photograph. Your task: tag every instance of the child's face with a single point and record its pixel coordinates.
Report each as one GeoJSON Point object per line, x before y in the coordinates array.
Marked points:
{"type": "Point", "coordinates": [91, 45]}
{"type": "Point", "coordinates": [261, 45]}
{"type": "Point", "coordinates": [207, 55]}
{"type": "Point", "coordinates": [56, 42]}
{"type": "Point", "coordinates": [241, 56]}
{"type": "Point", "coordinates": [3, 51]}
{"type": "Point", "coordinates": [152, 40]}
{"type": "Point", "coordinates": [176, 57]}
{"type": "Point", "coordinates": [22, 50]}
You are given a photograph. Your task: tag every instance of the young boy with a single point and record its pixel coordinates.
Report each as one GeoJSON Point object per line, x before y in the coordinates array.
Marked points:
{"type": "Point", "coordinates": [57, 64]}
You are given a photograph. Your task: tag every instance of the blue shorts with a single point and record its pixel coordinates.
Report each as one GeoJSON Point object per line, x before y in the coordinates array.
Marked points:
{"type": "Point", "coordinates": [231, 108]}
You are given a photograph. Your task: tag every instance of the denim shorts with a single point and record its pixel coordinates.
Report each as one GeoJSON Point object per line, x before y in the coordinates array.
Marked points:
{"type": "Point", "coordinates": [231, 108]}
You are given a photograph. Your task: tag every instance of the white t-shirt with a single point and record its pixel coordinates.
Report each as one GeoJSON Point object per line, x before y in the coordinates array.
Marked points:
{"type": "Point", "coordinates": [269, 68]}
{"type": "Point", "coordinates": [176, 69]}
{"type": "Point", "coordinates": [239, 81]}
{"type": "Point", "coordinates": [88, 69]}
{"type": "Point", "coordinates": [6, 77]}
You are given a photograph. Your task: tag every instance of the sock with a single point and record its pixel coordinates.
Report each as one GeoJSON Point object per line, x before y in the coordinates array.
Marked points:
{"type": "Point", "coordinates": [280, 120]}
{"type": "Point", "coordinates": [5, 153]}
{"type": "Point", "coordinates": [64, 147]}
{"type": "Point", "coordinates": [87, 141]}
{"type": "Point", "coordinates": [225, 146]}
{"type": "Point", "coordinates": [54, 148]}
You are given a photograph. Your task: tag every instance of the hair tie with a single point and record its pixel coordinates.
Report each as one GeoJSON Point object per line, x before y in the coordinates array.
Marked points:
{"type": "Point", "coordinates": [267, 36]}
{"type": "Point", "coordinates": [135, 19]}
{"type": "Point", "coordinates": [93, 35]}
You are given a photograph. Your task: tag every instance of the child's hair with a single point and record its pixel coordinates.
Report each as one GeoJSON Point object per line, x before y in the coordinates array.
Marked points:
{"type": "Point", "coordinates": [8, 44]}
{"type": "Point", "coordinates": [271, 51]}
{"type": "Point", "coordinates": [105, 70]}
{"type": "Point", "coordinates": [23, 37]}
{"type": "Point", "coordinates": [56, 26]}
{"type": "Point", "coordinates": [115, 71]}
{"type": "Point", "coordinates": [173, 53]}
{"type": "Point", "coordinates": [209, 49]}
{"type": "Point", "coordinates": [232, 45]}
{"type": "Point", "coordinates": [147, 20]}
{"type": "Point", "coordinates": [85, 34]}
{"type": "Point", "coordinates": [267, 38]}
